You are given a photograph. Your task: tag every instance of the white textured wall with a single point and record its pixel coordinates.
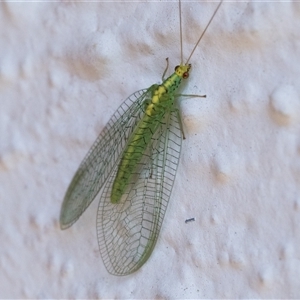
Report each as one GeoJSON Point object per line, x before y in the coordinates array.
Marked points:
{"type": "Point", "coordinates": [66, 67]}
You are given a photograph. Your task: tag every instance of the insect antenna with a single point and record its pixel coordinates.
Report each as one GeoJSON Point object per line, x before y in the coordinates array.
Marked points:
{"type": "Point", "coordinates": [180, 24]}
{"type": "Point", "coordinates": [201, 34]}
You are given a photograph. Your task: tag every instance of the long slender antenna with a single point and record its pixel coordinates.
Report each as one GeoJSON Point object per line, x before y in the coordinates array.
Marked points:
{"type": "Point", "coordinates": [203, 31]}
{"type": "Point", "coordinates": [180, 24]}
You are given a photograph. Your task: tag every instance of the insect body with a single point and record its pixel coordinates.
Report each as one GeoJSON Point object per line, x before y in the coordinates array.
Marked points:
{"type": "Point", "coordinates": [189, 220]}
{"type": "Point", "coordinates": [162, 101]}
{"type": "Point", "coordinates": [135, 158]}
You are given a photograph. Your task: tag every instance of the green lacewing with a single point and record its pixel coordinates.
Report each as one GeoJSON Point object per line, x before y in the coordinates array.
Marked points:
{"type": "Point", "coordinates": [134, 160]}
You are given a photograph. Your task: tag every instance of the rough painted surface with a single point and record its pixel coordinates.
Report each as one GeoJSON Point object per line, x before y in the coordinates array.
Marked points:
{"type": "Point", "coordinates": [65, 68]}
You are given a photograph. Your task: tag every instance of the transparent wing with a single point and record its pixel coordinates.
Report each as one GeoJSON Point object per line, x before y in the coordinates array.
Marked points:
{"type": "Point", "coordinates": [101, 158]}
{"type": "Point", "coordinates": [127, 231]}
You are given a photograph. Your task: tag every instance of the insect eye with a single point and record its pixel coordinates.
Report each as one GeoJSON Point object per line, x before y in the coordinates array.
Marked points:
{"type": "Point", "coordinates": [176, 68]}
{"type": "Point", "coordinates": [185, 75]}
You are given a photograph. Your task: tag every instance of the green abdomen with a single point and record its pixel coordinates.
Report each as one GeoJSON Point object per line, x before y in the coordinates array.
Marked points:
{"type": "Point", "coordinates": [133, 154]}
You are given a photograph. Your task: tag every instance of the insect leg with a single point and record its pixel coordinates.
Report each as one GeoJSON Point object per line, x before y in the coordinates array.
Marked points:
{"type": "Point", "coordinates": [178, 111]}
{"type": "Point", "coordinates": [165, 71]}
{"type": "Point", "coordinates": [180, 122]}
{"type": "Point", "coordinates": [190, 96]}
